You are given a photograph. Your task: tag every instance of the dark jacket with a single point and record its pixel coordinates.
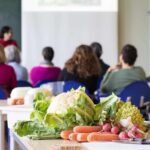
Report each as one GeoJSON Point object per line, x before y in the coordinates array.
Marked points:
{"type": "Point", "coordinates": [89, 82]}
{"type": "Point", "coordinates": [104, 66]}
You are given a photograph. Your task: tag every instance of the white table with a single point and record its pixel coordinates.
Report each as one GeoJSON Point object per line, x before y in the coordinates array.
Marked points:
{"type": "Point", "coordinates": [27, 144]}
{"type": "Point", "coordinates": [13, 114]}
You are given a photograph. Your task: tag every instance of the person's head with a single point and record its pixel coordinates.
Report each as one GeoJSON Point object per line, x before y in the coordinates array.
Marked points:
{"type": "Point", "coordinates": [84, 62]}
{"type": "Point", "coordinates": [97, 48]}
{"type": "Point", "coordinates": [6, 33]}
{"type": "Point", "coordinates": [12, 54]}
{"type": "Point", "coordinates": [128, 55]}
{"type": "Point", "coordinates": [2, 55]}
{"type": "Point", "coordinates": [48, 53]}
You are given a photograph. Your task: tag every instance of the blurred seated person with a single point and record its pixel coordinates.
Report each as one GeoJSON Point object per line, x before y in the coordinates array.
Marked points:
{"type": "Point", "coordinates": [13, 59]}
{"type": "Point", "coordinates": [123, 74]}
{"type": "Point", "coordinates": [6, 37]}
{"type": "Point", "coordinates": [46, 70]}
{"type": "Point", "coordinates": [7, 74]}
{"type": "Point", "coordinates": [82, 67]}
{"type": "Point", "coordinates": [97, 48]}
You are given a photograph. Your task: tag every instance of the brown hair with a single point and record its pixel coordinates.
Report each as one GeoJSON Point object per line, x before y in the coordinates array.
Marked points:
{"type": "Point", "coordinates": [84, 62]}
{"type": "Point", "coordinates": [2, 55]}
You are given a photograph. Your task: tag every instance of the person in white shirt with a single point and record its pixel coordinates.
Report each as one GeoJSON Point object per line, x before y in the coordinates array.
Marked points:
{"type": "Point", "coordinates": [14, 59]}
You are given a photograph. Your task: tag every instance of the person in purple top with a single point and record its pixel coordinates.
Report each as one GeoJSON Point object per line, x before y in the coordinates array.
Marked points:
{"type": "Point", "coordinates": [46, 70]}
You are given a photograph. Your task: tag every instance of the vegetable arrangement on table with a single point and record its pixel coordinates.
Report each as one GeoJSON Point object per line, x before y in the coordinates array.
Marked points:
{"type": "Point", "coordinates": [74, 116]}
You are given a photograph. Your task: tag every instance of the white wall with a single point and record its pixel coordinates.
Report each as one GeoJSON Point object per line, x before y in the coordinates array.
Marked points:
{"type": "Point", "coordinates": [134, 29]}
{"type": "Point", "coordinates": [65, 30]}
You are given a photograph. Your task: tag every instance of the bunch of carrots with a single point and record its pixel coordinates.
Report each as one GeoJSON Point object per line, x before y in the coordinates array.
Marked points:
{"type": "Point", "coordinates": [88, 134]}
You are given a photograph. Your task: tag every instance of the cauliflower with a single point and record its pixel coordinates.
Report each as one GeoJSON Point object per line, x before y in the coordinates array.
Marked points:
{"type": "Point", "coordinates": [63, 101]}
{"type": "Point", "coordinates": [71, 108]}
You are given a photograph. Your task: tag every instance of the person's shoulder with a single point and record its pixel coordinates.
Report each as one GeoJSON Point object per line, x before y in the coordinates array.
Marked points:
{"type": "Point", "coordinates": [36, 68]}
{"type": "Point", "coordinates": [8, 67]}
{"type": "Point", "coordinates": [1, 40]}
{"type": "Point", "coordinates": [103, 63]}
{"type": "Point", "coordinates": [64, 70]}
{"type": "Point", "coordinates": [13, 42]}
{"type": "Point", "coordinates": [56, 68]}
{"type": "Point", "coordinates": [21, 67]}
{"type": "Point", "coordinates": [116, 71]}
{"type": "Point", "coordinates": [138, 68]}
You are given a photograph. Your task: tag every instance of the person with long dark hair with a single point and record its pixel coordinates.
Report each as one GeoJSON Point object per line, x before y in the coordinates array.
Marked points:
{"type": "Point", "coordinates": [82, 67]}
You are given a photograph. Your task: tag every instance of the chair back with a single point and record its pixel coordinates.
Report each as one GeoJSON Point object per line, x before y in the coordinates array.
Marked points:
{"type": "Point", "coordinates": [136, 91]}
{"type": "Point", "coordinates": [40, 83]}
{"type": "Point", "coordinates": [3, 94]}
{"type": "Point", "coordinates": [23, 83]}
{"type": "Point", "coordinates": [58, 87]}
{"type": "Point", "coordinates": [99, 82]}
{"type": "Point", "coordinates": [68, 85]}
{"type": "Point", "coordinates": [55, 86]}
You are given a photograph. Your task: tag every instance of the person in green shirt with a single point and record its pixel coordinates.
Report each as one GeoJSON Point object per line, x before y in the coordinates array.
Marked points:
{"type": "Point", "coordinates": [119, 76]}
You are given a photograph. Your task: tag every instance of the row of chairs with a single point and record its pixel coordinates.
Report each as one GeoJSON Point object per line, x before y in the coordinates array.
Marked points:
{"type": "Point", "coordinates": [136, 92]}
{"type": "Point", "coordinates": [23, 83]}
{"type": "Point", "coordinates": [56, 86]}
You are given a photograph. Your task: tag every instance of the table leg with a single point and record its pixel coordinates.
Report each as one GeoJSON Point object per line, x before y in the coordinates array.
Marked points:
{"type": "Point", "coordinates": [2, 135]}
{"type": "Point", "coordinates": [13, 143]}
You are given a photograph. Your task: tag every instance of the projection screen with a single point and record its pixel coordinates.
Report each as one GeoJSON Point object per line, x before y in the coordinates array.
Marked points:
{"type": "Point", "coordinates": [65, 24]}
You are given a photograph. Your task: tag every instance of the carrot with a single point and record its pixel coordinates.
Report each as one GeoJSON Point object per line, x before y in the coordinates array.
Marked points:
{"type": "Point", "coordinates": [65, 134]}
{"type": "Point", "coordinates": [19, 102]}
{"type": "Point", "coordinates": [102, 137]}
{"type": "Point", "coordinates": [82, 137]}
{"type": "Point", "coordinates": [86, 129]}
{"type": "Point", "coordinates": [73, 136]}
{"type": "Point", "coordinates": [13, 101]}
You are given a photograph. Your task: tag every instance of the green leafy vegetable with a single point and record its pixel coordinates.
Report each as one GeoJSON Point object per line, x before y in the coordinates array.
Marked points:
{"type": "Point", "coordinates": [70, 109]}
{"type": "Point", "coordinates": [35, 130]}
{"type": "Point", "coordinates": [40, 104]}
{"type": "Point", "coordinates": [65, 111]}
{"type": "Point", "coordinates": [107, 109]}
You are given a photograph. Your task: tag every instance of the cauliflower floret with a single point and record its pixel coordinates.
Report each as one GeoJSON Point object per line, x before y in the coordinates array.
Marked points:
{"type": "Point", "coordinates": [64, 101]}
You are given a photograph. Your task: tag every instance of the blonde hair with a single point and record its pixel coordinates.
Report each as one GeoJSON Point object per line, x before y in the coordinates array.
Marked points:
{"type": "Point", "coordinates": [2, 55]}
{"type": "Point", "coordinates": [12, 54]}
